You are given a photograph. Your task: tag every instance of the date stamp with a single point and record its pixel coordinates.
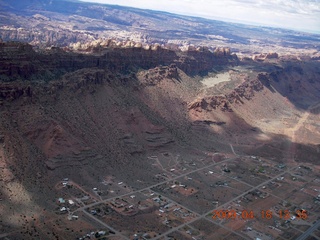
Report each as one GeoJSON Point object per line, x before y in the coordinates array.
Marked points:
{"type": "Point", "coordinates": [263, 214]}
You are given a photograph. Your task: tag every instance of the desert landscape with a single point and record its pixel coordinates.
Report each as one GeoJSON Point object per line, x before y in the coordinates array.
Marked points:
{"type": "Point", "coordinates": [113, 127]}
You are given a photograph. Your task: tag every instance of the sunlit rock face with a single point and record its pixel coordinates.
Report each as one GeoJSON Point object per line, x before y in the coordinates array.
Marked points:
{"type": "Point", "coordinates": [102, 101]}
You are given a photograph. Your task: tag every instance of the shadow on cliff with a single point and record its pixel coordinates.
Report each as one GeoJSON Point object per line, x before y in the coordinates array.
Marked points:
{"type": "Point", "coordinates": [86, 108]}
{"type": "Point", "coordinates": [298, 81]}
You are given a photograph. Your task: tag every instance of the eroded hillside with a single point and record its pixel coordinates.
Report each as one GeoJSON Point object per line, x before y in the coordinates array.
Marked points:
{"type": "Point", "coordinates": [104, 114]}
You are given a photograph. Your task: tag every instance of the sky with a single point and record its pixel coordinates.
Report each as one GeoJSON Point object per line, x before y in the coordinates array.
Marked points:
{"type": "Point", "coordinates": [303, 15]}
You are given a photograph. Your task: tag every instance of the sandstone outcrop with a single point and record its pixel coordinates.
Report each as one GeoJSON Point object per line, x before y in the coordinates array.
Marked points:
{"type": "Point", "coordinates": [264, 56]}
{"type": "Point", "coordinates": [155, 75]}
{"type": "Point", "coordinates": [211, 103]}
{"type": "Point", "coordinates": [20, 61]}
{"type": "Point", "coordinates": [272, 55]}
{"type": "Point", "coordinates": [225, 102]}
{"type": "Point", "coordinates": [222, 51]}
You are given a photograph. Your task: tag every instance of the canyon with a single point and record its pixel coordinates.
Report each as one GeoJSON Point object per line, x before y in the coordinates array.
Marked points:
{"type": "Point", "coordinates": [130, 129]}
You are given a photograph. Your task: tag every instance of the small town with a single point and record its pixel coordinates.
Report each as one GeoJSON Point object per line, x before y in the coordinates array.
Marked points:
{"type": "Point", "coordinates": [186, 197]}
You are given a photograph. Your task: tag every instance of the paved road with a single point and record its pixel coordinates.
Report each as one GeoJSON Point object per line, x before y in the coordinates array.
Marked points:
{"type": "Point", "coordinates": [198, 216]}
{"type": "Point", "coordinates": [152, 186]}
{"type": "Point", "coordinates": [224, 206]}
{"type": "Point", "coordinates": [233, 149]}
{"type": "Point", "coordinates": [302, 121]}
{"type": "Point", "coordinates": [306, 234]}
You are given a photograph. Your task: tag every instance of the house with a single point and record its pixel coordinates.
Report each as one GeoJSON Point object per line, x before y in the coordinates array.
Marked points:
{"type": "Point", "coordinates": [93, 212]}
{"type": "Point", "coordinates": [72, 217]}
{"type": "Point", "coordinates": [85, 198]}
{"type": "Point", "coordinates": [63, 209]}
{"type": "Point", "coordinates": [156, 199]}
{"type": "Point", "coordinates": [146, 236]}
{"type": "Point", "coordinates": [169, 205]}
{"type": "Point", "coordinates": [61, 200]}
{"type": "Point", "coordinates": [102, 233]}
{"type": "Point", "coordinates": [71, 202]}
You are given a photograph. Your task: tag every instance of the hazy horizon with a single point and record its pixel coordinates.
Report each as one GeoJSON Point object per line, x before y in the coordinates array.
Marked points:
{"type": "Point", "coordinates": [301, 15]}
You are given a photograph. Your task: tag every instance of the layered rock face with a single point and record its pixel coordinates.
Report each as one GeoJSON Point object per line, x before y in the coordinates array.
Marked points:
{"type": "Point", "coordinates": [264, 56]}
{"type": "Point", "coordinates": [107, 110]}
{"type": "Point", "coordinates": [246, 90]}
{"type": "Point", "coordinates": [20, 62]}
{"type": "Point", "coordinates": [155, 75]}
{"type": "Point", "coordinates": [158, 76]}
